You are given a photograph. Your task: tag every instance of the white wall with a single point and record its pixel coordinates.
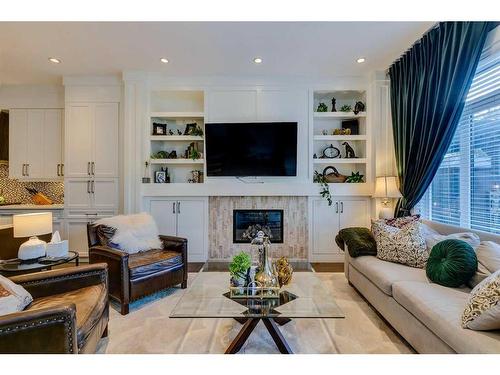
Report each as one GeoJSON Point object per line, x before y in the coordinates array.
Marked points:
{"type": "Point", "coordinates": [27, 96]}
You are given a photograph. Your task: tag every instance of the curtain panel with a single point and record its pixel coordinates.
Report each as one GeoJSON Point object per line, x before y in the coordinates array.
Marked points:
{"type": "Point", "coordinates": [429, 84]}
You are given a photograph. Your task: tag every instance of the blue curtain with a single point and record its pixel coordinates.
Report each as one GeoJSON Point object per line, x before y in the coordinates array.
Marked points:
{"type": "Point", "coordinates": [429, 84]}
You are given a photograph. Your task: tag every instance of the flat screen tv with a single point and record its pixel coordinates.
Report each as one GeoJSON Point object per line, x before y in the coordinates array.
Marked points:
{"type": "Point", "coordinates": [251, 149]}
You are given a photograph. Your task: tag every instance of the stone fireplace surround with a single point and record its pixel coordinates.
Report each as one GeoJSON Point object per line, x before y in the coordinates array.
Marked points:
{"type": "Point", "coordinates": [295, 233]}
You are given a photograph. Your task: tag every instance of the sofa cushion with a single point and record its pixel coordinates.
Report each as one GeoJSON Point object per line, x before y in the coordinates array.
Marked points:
{"type": "Point", "coordinates": [90, 303]}
{"type": "Point", "coordinates": [383, 274]}
{"type": "Point", "coordinates": [152, 261]}
{"type": "Point", "coordinates": [440, 309]}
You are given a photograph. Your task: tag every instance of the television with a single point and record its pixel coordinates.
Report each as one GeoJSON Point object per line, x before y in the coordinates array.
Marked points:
{"type": "Point", "coordinates": [251, 149]}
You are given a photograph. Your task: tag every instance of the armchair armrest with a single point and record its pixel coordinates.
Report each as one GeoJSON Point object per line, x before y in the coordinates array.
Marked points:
{"type": "Point", "coordinates": [62, 280]}
{"type": "Point", "coordinates": [118, 271]}
{"type": "Point", "coordinates": [178, 244]}
{"type": "Point", "coordinates": [46, 330]}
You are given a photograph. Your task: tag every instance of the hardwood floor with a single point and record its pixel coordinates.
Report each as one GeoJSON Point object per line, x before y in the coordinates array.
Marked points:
{"type": "Point", "coordinates": [328, 267]}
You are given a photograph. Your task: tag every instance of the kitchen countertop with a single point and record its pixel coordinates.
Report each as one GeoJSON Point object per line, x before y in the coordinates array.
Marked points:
{"type": "Point", "coordinates": [32, 207]}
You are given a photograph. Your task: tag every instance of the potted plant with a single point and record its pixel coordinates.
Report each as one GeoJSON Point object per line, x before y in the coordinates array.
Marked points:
{"type": "Point", "coordinates": [238, 269]}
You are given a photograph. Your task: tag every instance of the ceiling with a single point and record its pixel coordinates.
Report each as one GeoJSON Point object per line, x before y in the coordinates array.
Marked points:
{"type": "Point", "coordinates": [305, 49]}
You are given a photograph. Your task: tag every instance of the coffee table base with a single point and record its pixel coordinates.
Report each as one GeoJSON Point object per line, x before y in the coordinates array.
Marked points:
{"type": "Point", "coordinates": [272, 328]}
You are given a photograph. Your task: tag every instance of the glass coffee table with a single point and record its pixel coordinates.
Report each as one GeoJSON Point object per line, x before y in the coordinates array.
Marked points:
{"type": "Point", "coordinates": [305, 297]}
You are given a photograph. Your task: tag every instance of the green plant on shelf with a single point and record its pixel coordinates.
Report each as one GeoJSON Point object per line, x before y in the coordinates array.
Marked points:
{"type": "Point", "coordinates": [197, 132]}
{"type": "Point", "coordinates": [355, 178]}
{"type": "Point", "coordinates": [159, 155]}
{"type": "Point", "coordinates": [346, 108]}
{"type": "Point", "coordinates": [195, 154]}
{"type": "Point", "coordinates": [325, 193]}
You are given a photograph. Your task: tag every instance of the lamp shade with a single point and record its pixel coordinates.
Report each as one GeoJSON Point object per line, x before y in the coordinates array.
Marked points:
{"type": "Point", "coordinates": [386, 187]}
{"type": "Point", "coordinates": [27, 225]}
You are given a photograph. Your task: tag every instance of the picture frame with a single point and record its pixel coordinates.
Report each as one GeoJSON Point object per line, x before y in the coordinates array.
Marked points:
{"type": "Point", "coordinates": [160, 177]}
{"type": "Point", "coordinates": [159, 129]}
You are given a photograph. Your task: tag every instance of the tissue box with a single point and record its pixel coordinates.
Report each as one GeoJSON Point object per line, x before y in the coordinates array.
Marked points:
{"type": "Point", "coordinates": [57, 250]}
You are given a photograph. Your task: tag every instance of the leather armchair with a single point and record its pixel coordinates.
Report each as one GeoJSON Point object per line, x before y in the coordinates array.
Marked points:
{"type": "Point", "coordinates": [69, 312]}
{"type": "Point", "coordinates": [133, 276]}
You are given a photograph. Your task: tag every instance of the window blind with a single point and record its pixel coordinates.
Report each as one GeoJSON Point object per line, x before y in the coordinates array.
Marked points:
{"type": "Point", "coordinates": [466, 189]}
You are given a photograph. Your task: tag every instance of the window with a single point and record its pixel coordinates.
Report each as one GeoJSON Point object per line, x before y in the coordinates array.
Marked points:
{"type": "Point", "coordinates": [466, 189]}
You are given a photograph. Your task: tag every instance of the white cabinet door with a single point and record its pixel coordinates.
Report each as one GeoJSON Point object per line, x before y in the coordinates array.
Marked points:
{"type": "Point", "coordinates": [76, 234]}
{"type": "Point", "coordinates": [191, 222]}
{"type": "Point", "coordinates": [52, 144]}
{"type": "Point", "coordinates": [78, 136]}
{"type": "Point", "coordinates": [18, 119]}
{"type": "Point", "coordinates": [34, 145]}
{"type": "Point", "coordinates": [105, 195]}
{"type": "Point", "coordinates": [105, 136]}
{"type": "Point", "coordinates": [354, 213]}
{"type": "Point", "coordinates": [325, 221]}
{"type": "Point", "coordinates": [232, 105]}
{"type": "Point", "coordinates": [77, 196]}
{"type": "Point", "coordinates": [164, 211]}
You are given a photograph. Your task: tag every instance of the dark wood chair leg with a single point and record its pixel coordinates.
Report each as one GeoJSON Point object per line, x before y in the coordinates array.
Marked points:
{"type": "Point", "coordinates": [278, 338]}
{"type": "Point", "coordinates": [184, 284]}
{"type": "Point", "coordinates": [124, 308]}
{"type": "Point", "coordinates": [242, 336]}
{"type": "Point", "coordinates": [105, 333]}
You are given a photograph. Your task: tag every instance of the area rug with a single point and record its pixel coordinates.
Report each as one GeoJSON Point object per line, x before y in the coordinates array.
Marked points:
{"type": "Point", "coordinates": [148, 329]}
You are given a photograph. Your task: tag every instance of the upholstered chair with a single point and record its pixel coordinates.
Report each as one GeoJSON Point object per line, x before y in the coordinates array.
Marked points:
{"type": "Point", "coordinates": [133, 276]}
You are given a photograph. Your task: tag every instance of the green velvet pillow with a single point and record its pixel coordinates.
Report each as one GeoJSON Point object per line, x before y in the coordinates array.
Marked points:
{"type": "Point", "coordinates": [451, 263]}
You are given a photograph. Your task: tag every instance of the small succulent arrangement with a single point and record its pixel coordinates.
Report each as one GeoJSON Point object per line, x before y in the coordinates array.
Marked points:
{"type": "Point", "coordinates": [355, 178]}
{"type": "Point", "coordinates": [322, 108]}
{"type": "Point", "coordinates": [325, 193]}
{"type": "Point", "coordinates": [160, 155]}
{"type": "Point", "coordinates": [197, 131]}
{"type": "Point", "coordinates": [238, 268]}
{"type": "Point", "coordinates": [346, 108]}
{"type": "Point", "coordinates": [195, 154]}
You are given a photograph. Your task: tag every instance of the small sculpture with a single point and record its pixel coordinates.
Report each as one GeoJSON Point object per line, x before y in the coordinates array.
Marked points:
{"type": "Point", "coordinates": [324, 132]}
{"type": "Point", "coordinates": [170, 132]}
{"type": "Point", "coordinates": [284, 270]}
{"type": "Point", "coordinates": [179, 132]}
{"type": "Point", "coordinates": [359, 107]}
{"type": "Point", "coordinates": [334, 101]}
{"type": "Point", "coordinates": [349, 151]}
{"type": "Point", "coordinates": [322, 108]}
{"type": "Point", "coordinates": [172, 155]}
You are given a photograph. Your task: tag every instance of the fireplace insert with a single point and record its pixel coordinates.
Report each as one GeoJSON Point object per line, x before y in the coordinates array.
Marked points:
{"type": "Point", "coordinates": [246, 224]}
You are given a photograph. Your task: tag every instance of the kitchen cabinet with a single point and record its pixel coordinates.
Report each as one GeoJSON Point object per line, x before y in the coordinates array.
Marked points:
{"type": "Point", "coordinates": [35, 144]}
{"type": "Point", "coordinates": [185, 217]}
{"type": "Point", "coordinates": [91, 196]}
{"type": "Point", "coordinates": [326, 222]}
{"type": "Point", "coordinates": [91, 134]}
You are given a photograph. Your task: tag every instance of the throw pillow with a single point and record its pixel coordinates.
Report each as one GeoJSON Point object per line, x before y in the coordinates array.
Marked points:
{"type": "Point", "coordinates": [482, 311]}
{"type": "Point", "coordinates": [13, 297]}
{"type": "Point", "coordinates": [133, 233]}
{"type": "Point", "coordinates": [471, 238]}
{"type": "Point", "coordinates": [452, 263]}
{"type": "Point", "coordinates": [400, 222]}
{"type": "Point", "coordinates": [404, 245]}
{"type": "Point", "coordinates": [488, 258]}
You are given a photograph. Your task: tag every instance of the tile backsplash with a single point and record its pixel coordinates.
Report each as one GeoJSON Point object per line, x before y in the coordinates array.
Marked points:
{"type": "Point", "coordinates": [14, 190]}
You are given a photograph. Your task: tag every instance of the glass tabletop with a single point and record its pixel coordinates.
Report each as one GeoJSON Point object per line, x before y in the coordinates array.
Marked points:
{"type": "Point", "coordinates": [208, 297]}
{"type": "Point", "coordinates": [17, 265]}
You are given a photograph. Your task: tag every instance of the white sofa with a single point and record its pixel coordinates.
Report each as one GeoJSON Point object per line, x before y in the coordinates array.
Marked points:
{"type": "Point", "coordinates": [427, 315]}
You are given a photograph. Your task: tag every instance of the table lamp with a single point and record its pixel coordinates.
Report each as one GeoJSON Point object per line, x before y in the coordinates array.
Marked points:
{"type": "Point", "coordinates": [386, 187]}
{"type": "Point", "coordinates": [32, 225]}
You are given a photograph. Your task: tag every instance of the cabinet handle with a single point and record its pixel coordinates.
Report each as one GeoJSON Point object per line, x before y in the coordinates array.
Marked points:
{"type": "Point", "coordinates": [88, 187]}
{"type": "Point", "coordinates": [88, 168]}
{"type": "Point", "coordinates": [93, 186]}
{"type": "Point", "coordinates": [341, 207]}
{"type": "Point", "coordinates": [173, 207]}
{"type": "Point", "coordinates": [336, 207]}
{"type": "Point", "coordinates": [22, 172]}
{"type": "Point", "coordinates": [62, 169]}
{"type": "Point", "coordinates": [58, 169]}
{"type": "Point", "coordinates": [93, 169]}
{"type": "Point", "coordinates": [178, 207]}
{"type": "Point", "coordinates": [27, 169]}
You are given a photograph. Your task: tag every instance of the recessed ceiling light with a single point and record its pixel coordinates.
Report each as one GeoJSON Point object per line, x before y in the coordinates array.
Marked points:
{"type": "Point", "coordinates": [54, 60]}
{"type": "Point", "coordinates": [360, 60]}
{"type": "Point", "coordinates": [257, 60]}
{"type": "Point", "coordinates": [164, 60]}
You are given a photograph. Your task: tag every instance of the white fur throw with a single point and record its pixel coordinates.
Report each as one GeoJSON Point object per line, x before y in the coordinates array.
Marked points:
{"type": "Point", "coordinates": [134, 233]}
{"type": "Point", "coordinates": [13, 297]}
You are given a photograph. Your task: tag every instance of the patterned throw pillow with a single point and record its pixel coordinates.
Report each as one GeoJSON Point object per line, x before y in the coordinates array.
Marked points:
{"type": "Point", "coordinates": [400, 222]}
{"type": "Point", "coordinates": [482, 312]}
{"type": "Point", "coordinates": [404, 245]}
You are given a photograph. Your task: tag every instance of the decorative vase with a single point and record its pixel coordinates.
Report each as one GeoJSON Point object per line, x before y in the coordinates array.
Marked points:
{"type": "Point", "coordinates": [266, 277]}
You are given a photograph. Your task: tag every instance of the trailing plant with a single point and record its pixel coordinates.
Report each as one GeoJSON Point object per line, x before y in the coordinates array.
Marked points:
{"type": "Point", "coordinates": [239, 266]}
{"type": "Point", "coordinates": [325, 188]}
{"type": "Point", "coordinates": [346, 108]}
{"type": "Point", "coordinates": [354, 178]}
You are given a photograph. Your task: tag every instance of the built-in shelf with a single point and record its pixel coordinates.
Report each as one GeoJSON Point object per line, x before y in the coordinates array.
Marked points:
{"type": "Point", "coordinates": [177, 161]}
{"type": "Point", "coordinates": [340, 138]}
{"type": "Point", "coordinates": [188, 138]}
{"type": "Point", "coordinates": [340, 115]}
{"type": "Point", "coordinates": [177, 114]}
{"type": "Point", "coordinates": [341, 161]}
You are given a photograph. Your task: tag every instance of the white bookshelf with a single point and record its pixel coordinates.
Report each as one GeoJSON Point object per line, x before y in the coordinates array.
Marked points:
{"type": "Point", "coordinates": [341, 161]}
{"type": "Point", "coordinates": [339, 115]}
{"type": "Point", "coordinates": [174, 115]}
{"type": "Point", "coordinates": [176, 138]}
{"type": "Point", "coordinates": [177, 161]}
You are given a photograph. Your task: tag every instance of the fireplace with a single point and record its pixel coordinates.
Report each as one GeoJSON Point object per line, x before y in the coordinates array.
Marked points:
{"type": "Point", "coordinates": [246, 224]}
